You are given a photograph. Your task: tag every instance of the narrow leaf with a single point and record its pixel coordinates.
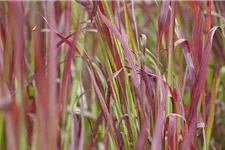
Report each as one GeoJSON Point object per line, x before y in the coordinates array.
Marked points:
{"type": "Point", "coordinates": [210, 120]}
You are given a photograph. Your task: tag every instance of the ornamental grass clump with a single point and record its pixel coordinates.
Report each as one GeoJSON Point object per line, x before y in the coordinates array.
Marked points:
{"type": "Point", "coordinates": [112, 75]}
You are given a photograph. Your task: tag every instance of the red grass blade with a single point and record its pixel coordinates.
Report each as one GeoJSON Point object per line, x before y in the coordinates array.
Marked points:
{"type": "Point", "coordinates": [157, 136]}
{"type": "Point", "coordinates": [164, 10]}
{"type": "Point", "coordinates": [172, 134]}
{"type": "Point", "coordinates": [187, 54]}
{"type": "Point", "coordinates": [94, 10]}
{"type": "Point", "coordinates": [94, 131]}
{"type": "Point", "coordinates": [125, 47]}
{"type": "Point", "coordinates": [84, 3]}
{"type": "Point", "coordinates": [69, 43]}
{"type": "Point", "coordinates": [112, 76]}
{"type": "Point", "coordinates": [171, 128]}
{"type": "Point", "coordinates": [64, 39]}
{"type": "Point", "coordinates": [208, 15]}
{"type": "Point", "coordinates": [52, 96]}
{"type": "Point", "coordinates": [200, 80]}
{"type": "Point", "coordinates": [197, 35]}
{"type": "Point", "coordinates": [192, 130]}
{"type": "Point", "coordinates": [104, 108]}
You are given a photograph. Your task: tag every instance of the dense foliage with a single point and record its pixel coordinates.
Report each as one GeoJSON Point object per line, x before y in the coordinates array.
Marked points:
{"type": "Point", "coordinates": [112, 75]}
